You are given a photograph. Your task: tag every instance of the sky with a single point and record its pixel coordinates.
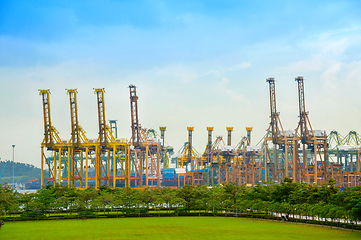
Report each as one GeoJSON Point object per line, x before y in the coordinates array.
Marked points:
{"type": "Point", "coordinates": [194, 63]}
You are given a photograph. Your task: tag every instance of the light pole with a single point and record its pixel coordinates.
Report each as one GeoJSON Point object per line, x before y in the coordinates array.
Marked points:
{"type": "Point", "coordinates": [13, 165]}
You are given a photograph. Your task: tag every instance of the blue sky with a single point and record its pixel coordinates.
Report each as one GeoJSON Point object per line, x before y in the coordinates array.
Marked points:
{"type": "Point", "coordinates": [195, 63]}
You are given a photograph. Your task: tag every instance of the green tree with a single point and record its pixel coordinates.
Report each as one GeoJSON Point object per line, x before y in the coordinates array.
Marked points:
{"type": "Point", "coordinates": [45, 197]}
{"type": "Point", "coordinates": [78, 205]}
{"type": "Point", "coordinates": [178, 203]}
{"type": "Point", "coordinates": [95, 204]}
{"type": "Point", "coordinates": [158, 203]}
{"type": "Point", "coordinates": [215, 199]}
{"type": "Point", "coordinates": [105, 199]}
{"type": "Point", "coordinates": [168, 194]}
{"type": "Point", "coordinates": [117, 201]}
{"type": "Point", "coordinates": [187, 193]}
{"type": "Point", "coordinates": [261, 192]}
{"type": "Point", "coordinates": [283, 191]}
{"type": "Point", "coordinates": [202, 197]}
{"type": "Point", "coordinates": [128, 198]}
{"type": "Point", "coordinates": [35, 206]}
{"type": "Point", "coordinates": [65, 202]}
{"type": "Point", "coordinates": [85, 196]}
{"type": "Point", "coordinates": [56, 205]}
{"type": "Point", "coordinates": [242, 206]}
{"type": "Point", "coordinates": [7, 198]}
{"type": "Point", "coordinates": [147, 197]}
{"type": "Point", "coordinates": [25, 199]}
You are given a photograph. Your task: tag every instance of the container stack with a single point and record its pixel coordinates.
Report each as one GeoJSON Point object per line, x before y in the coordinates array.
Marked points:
{"type": "Point", "coordinates": [180, 171]}
{"type": "Point", "coordinates": [169, 173]}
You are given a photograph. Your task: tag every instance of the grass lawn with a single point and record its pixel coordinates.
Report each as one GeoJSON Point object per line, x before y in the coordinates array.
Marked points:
{"type": "Point", "coordinates": [169, 228]}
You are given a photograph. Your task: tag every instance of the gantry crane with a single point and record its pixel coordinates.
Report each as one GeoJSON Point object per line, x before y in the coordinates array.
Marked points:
{"type": "Point", "coordinates": [107, 147]}
{"type": "Point", "coordinates": [144, 155]}
{"type": "Point", "coordinates": [246, 167]}
{"type": "Point", "coordinates": [316, 142]}
{"type": "Point", "coordinates": [51, 142]}
{"type": "Point", "coordinates": [79, 146]}
{"type": "Point", "coordinates": [189, 156]}
{"type": "Point", "coordinates": [346, 169]}
{"type": "Point", "coordinates": [249, 168]}
{"type": "Point", "coordinates": [75, 141]}
{"type": "Point", "coordinates": [166, 150]}
{"type": "Point", "coordinates": [67, 163]}
{"type": "Point", "coordinates": [102, 167]}
{"type": "Point", "coordinates": [280, 140]}
{"type": "Point", "coordinates": [164, 155]}
{"type": "Point", "coordinates": [188, 153]}
{"type": "Point", "coordinates": [220, 157]}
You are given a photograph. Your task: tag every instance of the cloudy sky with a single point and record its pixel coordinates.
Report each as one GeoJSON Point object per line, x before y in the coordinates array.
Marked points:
{"type": "Point", "coordinates": [195, 63]}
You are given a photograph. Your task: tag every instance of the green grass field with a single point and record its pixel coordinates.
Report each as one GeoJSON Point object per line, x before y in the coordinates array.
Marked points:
{"type": "Point", "coordinates": [169, 228]}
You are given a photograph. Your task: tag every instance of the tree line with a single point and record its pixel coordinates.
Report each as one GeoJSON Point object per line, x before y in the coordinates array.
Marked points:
{"type": "Point", "coordinates": [22, 172]}
{"type": "Point", "coordinates": [311, 201]}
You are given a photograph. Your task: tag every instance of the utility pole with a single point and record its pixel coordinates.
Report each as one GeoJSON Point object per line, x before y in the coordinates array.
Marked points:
{"type": "Point", "coordinates": [13, 165]}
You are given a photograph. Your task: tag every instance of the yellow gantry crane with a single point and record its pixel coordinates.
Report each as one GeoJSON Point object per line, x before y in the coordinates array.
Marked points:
{"type": "Point", "coordinates": [188, 155]}
{"type": "Point", "coordinates": [111, 160]}
{"type": "Point", "coordinates": [73, 159]}
{"type": "Point", "coordinates": [51, 142]}
{"type": "Point", "coordinates": [78, 147]}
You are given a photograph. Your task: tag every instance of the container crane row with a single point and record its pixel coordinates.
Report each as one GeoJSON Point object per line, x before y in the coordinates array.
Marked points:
{"type": "Point", "coordinates": [303, 154]}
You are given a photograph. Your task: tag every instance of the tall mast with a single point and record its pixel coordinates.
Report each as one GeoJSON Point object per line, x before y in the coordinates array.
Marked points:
{"type": "Point", "coordinates": [134, 115]}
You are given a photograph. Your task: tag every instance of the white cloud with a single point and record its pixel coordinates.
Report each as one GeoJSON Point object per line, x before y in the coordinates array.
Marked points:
{"type": "Point", "coordinates": [239, 66]}
{"type": "Point", "coordinates": [178, 72]}
{"type": "Point", "coordinates": [303, 66]}
{"type": "Point", "coordinates": [329, 76]}
{"type": "Point", "coordinates": [354, 74]}
{"type": "Point", "coordinates": [223, 89]}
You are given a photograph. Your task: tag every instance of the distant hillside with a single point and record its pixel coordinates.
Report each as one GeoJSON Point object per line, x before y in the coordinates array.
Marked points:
{"type": "Point", "coordinates": [22, 172]}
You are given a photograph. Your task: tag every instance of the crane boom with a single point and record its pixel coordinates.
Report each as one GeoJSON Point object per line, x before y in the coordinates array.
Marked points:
{"type": "Point", "coordinates": [74, 116]}
{"type": "Point", "coordinates": [274, 127]}
{"type": "Point", "coordinates": [47, 118]}
{"type": "Point", "coordinates": [134, 115]}
{"type": "Point", "coordinates": [101, 115]}
{"type": "Point", "coordinates": [302, 109]}
{"type": "Point", "coordinates": [190, 130]}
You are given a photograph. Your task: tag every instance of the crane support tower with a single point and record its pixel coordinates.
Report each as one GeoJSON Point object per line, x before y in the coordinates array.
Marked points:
{"type": "Point", "coordinates": [190, 145]}
{"type": "Point", "coordinates": [189, 154]}
{"type": "Point", "coordinates": [229, 139]}
{"type": "Point", "coordinates": [209, 145]}
{"type": "Point", "coordinates": [51, 143]}
{"type": "Point", "coordinates": [76, 144]}
{"type": "Point", "coordinates": [114, 127]}
{"type": "Point", "coordinates": [282, 142]}
{"type": "Point", "coordinates": [143, 152]}
{"type": "Point", "coordinates": [250, 172]}
{"type": "Point", "coordinates": [315, 169]}
{"type": "Point", "coordinates": [111, 161]}
{"type": "Point", "coordinates": [164, 155]}
{"type": "Point", "coordinates": [249, 131]}
{"type": "Point", "coordinates": [102, 167]}
{"type": "Point", "coordinates": [134, 115]}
